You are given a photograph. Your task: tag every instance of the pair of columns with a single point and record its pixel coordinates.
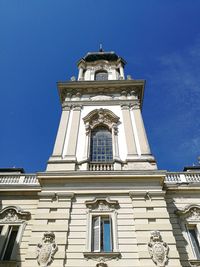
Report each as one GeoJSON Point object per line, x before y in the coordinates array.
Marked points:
{"type": "Point", "coordinates": [136, 139]}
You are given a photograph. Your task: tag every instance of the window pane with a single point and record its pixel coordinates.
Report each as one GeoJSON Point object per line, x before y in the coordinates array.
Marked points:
{"type": "Point", "coordinates": [101, 145]}
{"type": "Point", "coordinates": [194, 240]}
{"type": "Point", "coordinates": [96, 234]}
{"type": "Point", "coordinates": [106, 235]}
{"type": "Point", "coordinates": [10, 242]}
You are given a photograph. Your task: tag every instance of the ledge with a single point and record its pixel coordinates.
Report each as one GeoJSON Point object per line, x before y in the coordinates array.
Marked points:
{"type": "Point", "coordinates": [102, 256]}
{"type": "Point", "coordinates": [194, 263]}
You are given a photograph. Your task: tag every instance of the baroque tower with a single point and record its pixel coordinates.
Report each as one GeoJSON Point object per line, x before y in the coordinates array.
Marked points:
{"type": "Point", "coordinates": [101, 105]}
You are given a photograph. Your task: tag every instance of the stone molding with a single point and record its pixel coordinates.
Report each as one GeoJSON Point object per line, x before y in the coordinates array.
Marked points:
{"type": "Point", "coordinates": [102, 257]}
{"type": "Point", "coordinates": [102, 204]}
{"type": "Point", "coordinates": [100, 116]}
{"type": "Point", "coordinates": [146, 194]}
{"type": "Point", "coordinates": [12, 214]}
{"type": "Point", "coordinates": [190, 213]}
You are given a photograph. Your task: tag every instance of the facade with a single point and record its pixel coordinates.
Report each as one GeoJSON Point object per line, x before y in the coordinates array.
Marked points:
{"type": "Point", "coordinates": [102, 200]}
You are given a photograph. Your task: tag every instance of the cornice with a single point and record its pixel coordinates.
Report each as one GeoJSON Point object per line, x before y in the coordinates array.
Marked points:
{"type": "Point", "coordinates": [124, 87]}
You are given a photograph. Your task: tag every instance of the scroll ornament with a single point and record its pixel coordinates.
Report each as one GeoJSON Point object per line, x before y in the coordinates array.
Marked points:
{"type": "Point", "coordinates": [46, 249]}
{"type": "Point", "coordinates": [158, 249]}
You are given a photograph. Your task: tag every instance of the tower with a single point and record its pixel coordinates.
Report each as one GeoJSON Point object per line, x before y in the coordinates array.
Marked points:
{"type": "Point", "coordinates": [101, 105]}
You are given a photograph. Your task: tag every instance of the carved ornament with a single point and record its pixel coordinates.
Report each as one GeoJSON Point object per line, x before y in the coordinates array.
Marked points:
{"type": "Point", "coordinates": [13, 214]}
{"type": "Point", "coordinates": [158, 249]}
{"type": "Point", "coordinates": [102, 204]}
{"type": "Point", "coordinates": [102, 257]}
{"type": "Point", "coordinates": [101, 116]}
{"type": "Point", "coordinates": [46, 249]}
{"type": "Point", "coordinates": [190, 213]}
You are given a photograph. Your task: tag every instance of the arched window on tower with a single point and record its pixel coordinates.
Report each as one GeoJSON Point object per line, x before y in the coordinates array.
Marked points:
{"type": "Point", "coordinates": [101, 145]}
{"type": "Point", "coordinates": [101, 75]}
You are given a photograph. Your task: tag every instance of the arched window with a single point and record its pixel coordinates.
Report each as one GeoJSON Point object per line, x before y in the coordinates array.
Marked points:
{"type": "Point", "coordinates": [101, 145]}
{"type": "Point", "coordinates": [101, 75]}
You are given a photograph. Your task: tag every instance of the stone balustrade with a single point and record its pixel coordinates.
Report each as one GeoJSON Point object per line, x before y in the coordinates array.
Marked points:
{"type": "Point", "coordinates": [18, 179]}
{"type": "Point", "coordinates": [31, 179]}
{"type": "Point", "coordinates": [182, 177]}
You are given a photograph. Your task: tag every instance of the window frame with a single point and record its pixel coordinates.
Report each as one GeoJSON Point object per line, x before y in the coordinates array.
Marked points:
{"type": "Point", "coordinates": [195, 248]}
{"type": "Point", "coordinates": [189, 218]}
{"type": "Point", "coordinates": [11, 216]}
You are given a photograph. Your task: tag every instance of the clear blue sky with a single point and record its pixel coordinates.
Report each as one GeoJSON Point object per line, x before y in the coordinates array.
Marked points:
{"type": "Point", "coordinates": [41, 41]}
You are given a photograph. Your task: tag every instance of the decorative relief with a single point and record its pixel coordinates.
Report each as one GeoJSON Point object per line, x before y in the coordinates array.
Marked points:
{"type": "Point", "coordinates": [13, 214]}
{"type": "Point", "coordinates": [102, 257]}
{"type": "Point", "coordinates": [46, 249]}
{"type": "Point", "coordinates": [101, 98]}
{"type": "Point", "coordinates": [102, 204]}
{"type": "Point", "coordinates": [190, 213]}
{"type": "Point", "coordinates": [101, 116]}
{"type": "Point", "coordinates": [158, 249]}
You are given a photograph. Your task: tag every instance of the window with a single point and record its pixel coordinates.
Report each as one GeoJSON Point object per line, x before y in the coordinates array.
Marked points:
{"type": "Point", "coordinates": [12, 223]}
{"type": "Point", "coordinates": [194, 240]}
{"type": "Point", "coordinates": [101, 145]}
{"type": "Point", "coordinates": [101, 75]}
{"type": "Point", "coordinates": [8, 241]}
{"type": "Point", "coordinates": [101, 234]}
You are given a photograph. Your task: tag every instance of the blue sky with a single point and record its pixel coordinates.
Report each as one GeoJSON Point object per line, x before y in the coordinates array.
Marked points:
{"type": "Point", "coordinates": [41, 41]}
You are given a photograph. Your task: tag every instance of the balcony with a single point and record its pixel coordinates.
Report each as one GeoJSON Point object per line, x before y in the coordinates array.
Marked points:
{"type": "Point", "coordinates": [96, 166]}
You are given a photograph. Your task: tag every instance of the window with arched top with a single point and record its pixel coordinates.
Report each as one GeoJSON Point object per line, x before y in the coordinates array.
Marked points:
{"type": "Point", "coordinates": [101, 145]}
{"type": "Point", "coordinates": [101, 75]}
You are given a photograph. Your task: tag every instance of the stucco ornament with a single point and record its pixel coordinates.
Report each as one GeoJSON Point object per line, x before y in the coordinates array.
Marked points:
{"type": "Point", "coordinates": [46, 249]}
{"type": "Point", "coordinates": [158, 249]}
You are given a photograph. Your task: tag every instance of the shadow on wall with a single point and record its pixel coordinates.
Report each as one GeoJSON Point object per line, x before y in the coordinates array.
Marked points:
{"type": "Point", "coordinates": [181, 242]}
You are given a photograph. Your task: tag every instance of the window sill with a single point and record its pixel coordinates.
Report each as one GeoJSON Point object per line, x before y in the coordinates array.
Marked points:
{"type": "Point", "coordinates": [8, 263]}
{"type": "Point", "coordinates": [194, 263]}
{"type": "Point", "coordinates": [102, 256]}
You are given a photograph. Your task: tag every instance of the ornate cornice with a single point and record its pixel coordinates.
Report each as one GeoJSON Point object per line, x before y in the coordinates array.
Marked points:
{"type": "Point", "coordinates": [13, 214]}
{"type": "Point", "coordinates": [102, 204]}
{"type": "Point", "coordinates": [190, 213]}
{"type": "Point", "coordinates": [101, 116]}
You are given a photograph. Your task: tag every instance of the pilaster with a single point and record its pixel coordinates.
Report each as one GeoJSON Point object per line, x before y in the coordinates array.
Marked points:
{"type": "Point", "coordinates": [52, 215]}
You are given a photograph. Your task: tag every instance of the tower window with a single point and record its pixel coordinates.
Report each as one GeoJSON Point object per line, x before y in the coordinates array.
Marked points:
{"type": "Point", "coordinates": [101, 76]}
{"type": "Point", "coordinates": [101, 145]}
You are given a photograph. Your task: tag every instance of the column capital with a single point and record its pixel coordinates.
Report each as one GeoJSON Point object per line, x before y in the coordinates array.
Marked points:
{"type": "Point", "coordinates": [77, 107]}
{"type": "Point", "coordinates": [66, 107]}
{"type": "Point", "coordinates": [135, 106]}
{"type": "Point", "coordinates": [125, 107]}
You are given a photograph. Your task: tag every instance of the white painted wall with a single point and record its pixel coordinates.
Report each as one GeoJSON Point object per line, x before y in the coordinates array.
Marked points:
{"type": "Point", "coordinates": [81, 135]}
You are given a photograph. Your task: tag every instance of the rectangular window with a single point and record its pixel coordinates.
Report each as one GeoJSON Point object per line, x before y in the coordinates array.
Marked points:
{"type": "Point", "coordinates": [194, 239]}
{"type": "Point", "coordinates": [101, 234]}
{"type": "Point", "coordinates": [8, 242]}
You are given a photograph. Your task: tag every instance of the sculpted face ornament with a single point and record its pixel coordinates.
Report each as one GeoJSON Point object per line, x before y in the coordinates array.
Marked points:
{"type": "Point", "coordinates": [158, 249]}
{"type": "Point", "coordinates": [46, 249]}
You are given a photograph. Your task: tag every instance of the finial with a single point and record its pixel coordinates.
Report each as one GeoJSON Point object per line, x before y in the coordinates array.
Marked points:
{"type": "Point", "coordinates": [100, 48]}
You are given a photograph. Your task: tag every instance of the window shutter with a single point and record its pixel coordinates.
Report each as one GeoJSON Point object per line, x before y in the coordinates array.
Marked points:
{"type": "Point", "coordinates": [96, 233]}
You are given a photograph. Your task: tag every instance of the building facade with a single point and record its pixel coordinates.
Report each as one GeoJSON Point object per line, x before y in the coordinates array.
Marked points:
{"type": "Point", "coordinates": [102, 201]}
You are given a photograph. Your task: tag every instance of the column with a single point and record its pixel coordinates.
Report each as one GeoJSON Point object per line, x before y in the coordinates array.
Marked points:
{"type": "Point", "coordinates": [80, 74]}
{"type": "Point", "coordinates": [73, 135]}
{"type": "Point", "coordinates": [121, 70]}
{"type": "Point", "coordinates": [130, 140]}
{"type": "Point", "coordinates": [143, 141]}
{"type": "Point", "coordinates": [115, 142]}
{"type": "Point", "coordinates": [60, 139]}
{"type": "Point", "coordinates": [86, 154]}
